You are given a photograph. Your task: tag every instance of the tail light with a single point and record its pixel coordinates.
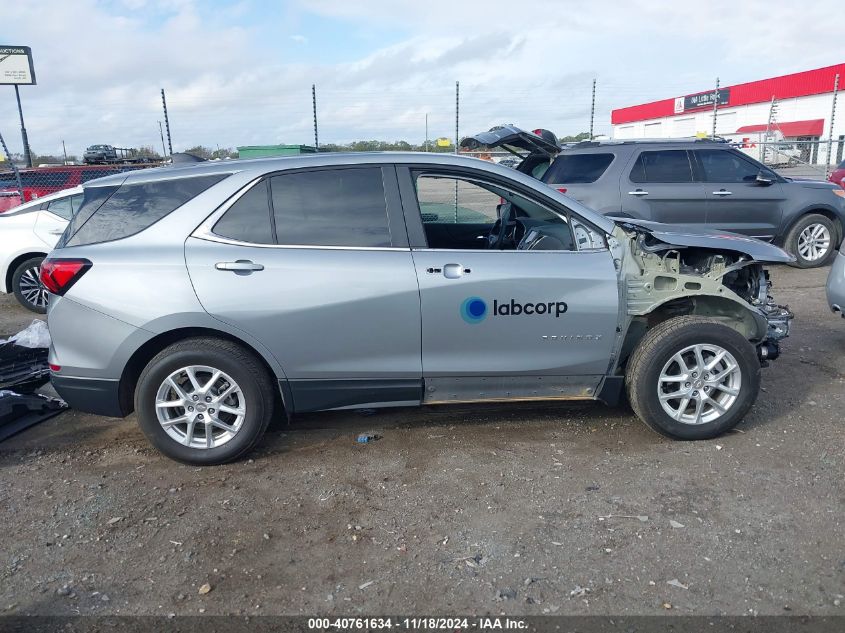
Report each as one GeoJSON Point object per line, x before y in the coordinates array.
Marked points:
{"type": "Point", "coordinates": [562, 189]}
{"type": "Point", "coordinates": [58, 275]}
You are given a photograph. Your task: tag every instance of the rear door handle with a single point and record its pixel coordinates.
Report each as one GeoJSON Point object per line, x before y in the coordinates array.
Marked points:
{"type": "Point", "coordinates": [638, 192]}
{"type": "Point", "coordinates": [241, 266]}
{"type": "Point", "coordinates": [56, 232]}
{"type": "Point", "coordinates": [722, 192]}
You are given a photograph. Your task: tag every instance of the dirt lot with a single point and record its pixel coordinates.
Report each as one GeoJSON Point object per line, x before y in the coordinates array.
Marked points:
{"type": "Point", "coordinates": [518, 510]}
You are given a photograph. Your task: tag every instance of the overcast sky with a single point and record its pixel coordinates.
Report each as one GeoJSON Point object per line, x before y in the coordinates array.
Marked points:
{"type": "Point", "coordinates": [240, 72]}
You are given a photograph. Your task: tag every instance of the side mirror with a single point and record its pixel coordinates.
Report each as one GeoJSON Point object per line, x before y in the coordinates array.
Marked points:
{"type": "Point", "coordinates": [762, 179]}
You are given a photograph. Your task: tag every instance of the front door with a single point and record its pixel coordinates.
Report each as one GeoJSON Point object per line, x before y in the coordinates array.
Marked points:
{"type": "Point", "coordinates": [315, 265]}
{"type": "Point", "coordinates": [659, 186]}
{"type": "Point", "coordinates": [508, 324]}
{"type": "Point", "coordinates": [736, 201]}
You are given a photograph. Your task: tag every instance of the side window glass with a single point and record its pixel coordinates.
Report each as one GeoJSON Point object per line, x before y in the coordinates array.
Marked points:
{"type": "Point", "coordinates": [63, 207]}
{"type": "Point", "coordinates": [248, 220]}
{"type": "Point", "coordinates": [455, 201]}
{"type": "Point", "coordinates": [724, 166]}
{"type": "Point", "coordinates": [331, 207]}
{"type": "Point", "coordinates": [662, 166]}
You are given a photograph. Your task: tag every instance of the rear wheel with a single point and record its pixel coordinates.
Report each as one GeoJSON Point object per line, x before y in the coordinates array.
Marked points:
{"type": "Point", "coordinates": [27, 287]}
{"type": "Point", "coordinates": [692, 378]}
{"type": "Point", "coordinates": [204, 401]}
{"type": "Point", "coordinates": [812, 240]}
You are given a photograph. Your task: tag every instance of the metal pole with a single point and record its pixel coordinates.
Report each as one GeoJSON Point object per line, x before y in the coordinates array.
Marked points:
{"type": "Point", "coordinates": [457, 120]}
{"type": "Point", "coordinates": [314, 108]}
{"type": "Point", "coordinates": [593, 110]}
{"type": "Point", "coordinates": [830, 133]}
{"type": "Point", "coordinates": [715, 105]}
{"type": "Point", "coordinates": [426, 132]}
{"type": "Point", "coordinates": [14, 167]}
{"type": "Point", "coordinates": [26, 153]}
{"type": "Point", "coordinates": [163, 148]}
{"type": "Point", "coordinates": [64, 151]}
{"type": "Point", "coordinates": [166, 122]}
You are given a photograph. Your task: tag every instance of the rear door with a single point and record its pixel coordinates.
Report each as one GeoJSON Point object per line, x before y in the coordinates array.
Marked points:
{"type": "Point", "coordinates": [315, 264]}
{"type": "Point", "coordinates": [507, 324]}
{"type": "Point", "coordinates": [659, 185]}
{"type": "Point", "coordinates": [54, 216]}
{"type": "Point", "coordinates": [736, 201]}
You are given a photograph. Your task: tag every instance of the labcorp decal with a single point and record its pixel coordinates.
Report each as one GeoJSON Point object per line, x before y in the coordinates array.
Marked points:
{"type": "Point", "coordinates": [475, 310]}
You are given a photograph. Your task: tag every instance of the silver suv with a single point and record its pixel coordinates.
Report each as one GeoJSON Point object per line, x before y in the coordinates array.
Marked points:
{"type": "Point", "coordinates": [210, 298]}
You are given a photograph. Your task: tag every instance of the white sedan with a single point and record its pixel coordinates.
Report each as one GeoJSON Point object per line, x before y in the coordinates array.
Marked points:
{"type": "Point", "coordinates": [27, 234]}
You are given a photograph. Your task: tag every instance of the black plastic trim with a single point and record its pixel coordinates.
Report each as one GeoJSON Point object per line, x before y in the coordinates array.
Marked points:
{"type": "Point", "coordinates": [611, 390]}
{"type": "Point", "coordinates": [91, 395]}
{"type": "Point", "coordinates": [320, 395]}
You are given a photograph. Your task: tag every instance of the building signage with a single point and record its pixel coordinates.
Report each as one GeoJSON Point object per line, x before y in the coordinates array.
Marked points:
{"type": "Point", "coordinates": [701, 100]}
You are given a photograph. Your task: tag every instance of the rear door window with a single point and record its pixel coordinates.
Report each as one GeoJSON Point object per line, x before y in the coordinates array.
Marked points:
{"type": "Point", "coordinates": [248, 219]}
{"type": "Point", "coordinates": [131, 208]}
{"type": "Point", "coordinates": [331, 207]}
{"type": "Point", "coordinates": [65, 207]}
{"type": "Point", "coordinates": [662, 166]}
{"type": "Point", "coordinates": [575, 169]}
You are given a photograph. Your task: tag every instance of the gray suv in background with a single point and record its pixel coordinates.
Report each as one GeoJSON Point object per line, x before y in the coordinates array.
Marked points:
{"type": "Point", "coordinates": [210, 298]}
{"type": "Point", "coordinates": [702, 182]}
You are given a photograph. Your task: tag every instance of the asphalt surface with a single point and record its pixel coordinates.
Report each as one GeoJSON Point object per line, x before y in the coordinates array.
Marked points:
{"type": "Point", "coordinates": [522, 509]}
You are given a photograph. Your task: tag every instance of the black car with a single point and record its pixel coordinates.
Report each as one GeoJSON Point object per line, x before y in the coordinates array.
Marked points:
{"type": "Point", "coordinates": [704, 182]}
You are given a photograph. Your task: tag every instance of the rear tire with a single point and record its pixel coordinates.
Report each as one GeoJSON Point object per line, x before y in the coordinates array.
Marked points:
{"type": "Point", "coordinates": [27, 287]}
{"type": "Point", "coordinates": [812, 241]}
{"type": "Point", "coordinates": [204, 435]}
{"type": "Point", "coordinates": [707, 405]}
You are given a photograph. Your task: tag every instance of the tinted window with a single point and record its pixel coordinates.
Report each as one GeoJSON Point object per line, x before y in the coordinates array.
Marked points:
{"type": "Point", "coordinates": [133, 208]}
{"type": "Point", "coordinates": [248, 220]}
{"type": "Point", "coordinates": [65, 207]}
{"type": "Point", "coordinates": [723, 166]}
{"type": "Point", "coordinates": [337, 207]}
{"type": "Point", "coordinates": [578, 168]}
{"type": "Point", "coordinates": [662, 166]}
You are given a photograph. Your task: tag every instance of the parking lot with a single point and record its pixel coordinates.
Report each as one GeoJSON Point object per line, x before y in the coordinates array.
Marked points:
{"type": "Point", "coordinates": [523, 509]}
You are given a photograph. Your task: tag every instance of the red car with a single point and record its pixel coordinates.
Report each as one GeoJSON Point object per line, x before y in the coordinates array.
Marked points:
{"type": "Point", "coordinates": [41, 181]}
{"type": "Point", "coordinates": [838, 175]}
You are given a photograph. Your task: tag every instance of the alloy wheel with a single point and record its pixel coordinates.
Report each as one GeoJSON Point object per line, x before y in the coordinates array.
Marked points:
{"type": "Point", "coordinates": [699, 384]}
{"type": "Point", "coordinates": [814, 242]}
{"type": "Point", "coordinates": [31, 288]}
{"type": "Point", "coordinates": [200, 407]}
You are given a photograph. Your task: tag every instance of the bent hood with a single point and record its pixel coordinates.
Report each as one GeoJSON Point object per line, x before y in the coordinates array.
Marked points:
{"type": "Point", "coordinates": [680, 235]}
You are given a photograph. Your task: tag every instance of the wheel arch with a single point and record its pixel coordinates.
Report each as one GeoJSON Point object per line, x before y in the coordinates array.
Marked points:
{"type": "Point", "coordinates": [733, 313]}
{"type": "Point", "coordinates": [144, 354]}
{"type": "Point", "coordinates": [14, 263]}
{"type": "Point", "coordinates": [825, 211]}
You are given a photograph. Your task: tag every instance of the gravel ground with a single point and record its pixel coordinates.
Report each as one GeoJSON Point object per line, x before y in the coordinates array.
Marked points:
{"type": "Point", "coordinates": [522, 509]}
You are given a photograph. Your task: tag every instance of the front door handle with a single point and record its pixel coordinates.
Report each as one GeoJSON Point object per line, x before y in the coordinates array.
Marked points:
{"type": "Point", "coordinates": [239, 267]}
{"type": "Point", "coordinates": [56, 232]}
{"type": "Point", "coordinates": [722, 192]}
{"type": "Point", "coordinates": [638, 192]}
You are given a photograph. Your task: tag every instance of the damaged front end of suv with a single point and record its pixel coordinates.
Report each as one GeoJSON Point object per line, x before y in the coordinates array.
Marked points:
{"type": "Point", "coordinates": [669, 271]}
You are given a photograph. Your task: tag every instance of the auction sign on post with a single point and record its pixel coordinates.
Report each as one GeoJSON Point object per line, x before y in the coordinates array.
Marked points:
{"type": "Point", "coordinates": [16, 66]}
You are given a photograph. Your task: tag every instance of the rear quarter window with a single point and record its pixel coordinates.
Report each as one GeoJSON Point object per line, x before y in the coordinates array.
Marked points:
{"type": "Point", "coordinates": [577, 168]}
{"type": "Point", "coordinates": [113, 213]}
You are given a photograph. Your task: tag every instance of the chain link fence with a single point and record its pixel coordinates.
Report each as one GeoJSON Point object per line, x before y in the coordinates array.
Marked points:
{"type": "Point", "coordinates": [23, 185]}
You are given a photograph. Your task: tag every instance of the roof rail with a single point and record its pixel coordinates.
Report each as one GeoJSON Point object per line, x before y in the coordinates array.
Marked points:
{"type": "Point", "coordinates": [634, 141]}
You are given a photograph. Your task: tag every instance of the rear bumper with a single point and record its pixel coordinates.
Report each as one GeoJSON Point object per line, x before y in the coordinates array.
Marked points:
{"type": "Point", "coordinates": [91, 395]}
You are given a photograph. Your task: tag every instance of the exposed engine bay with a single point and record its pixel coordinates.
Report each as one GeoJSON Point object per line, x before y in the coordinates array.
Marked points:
{"type": "Point", "coordinates": [663, 280]}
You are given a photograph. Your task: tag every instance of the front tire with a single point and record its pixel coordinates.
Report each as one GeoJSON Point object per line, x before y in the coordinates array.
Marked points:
{"type": "Point", "coordinates": [204, 401]}
{"type": "Point", "coordinates": [812, 241]}
{"type": "Point", "coordinates": [27, 286]}
{"type": "Point", "coordinates": [692, 378]}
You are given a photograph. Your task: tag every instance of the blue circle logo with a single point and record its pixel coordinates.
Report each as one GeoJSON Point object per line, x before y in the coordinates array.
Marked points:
{"type": "Point", "coordinates": [474, 310]}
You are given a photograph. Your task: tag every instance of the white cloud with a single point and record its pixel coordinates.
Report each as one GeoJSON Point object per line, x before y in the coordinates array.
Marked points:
{"type": "Point", "coordinates": [233, 78]}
